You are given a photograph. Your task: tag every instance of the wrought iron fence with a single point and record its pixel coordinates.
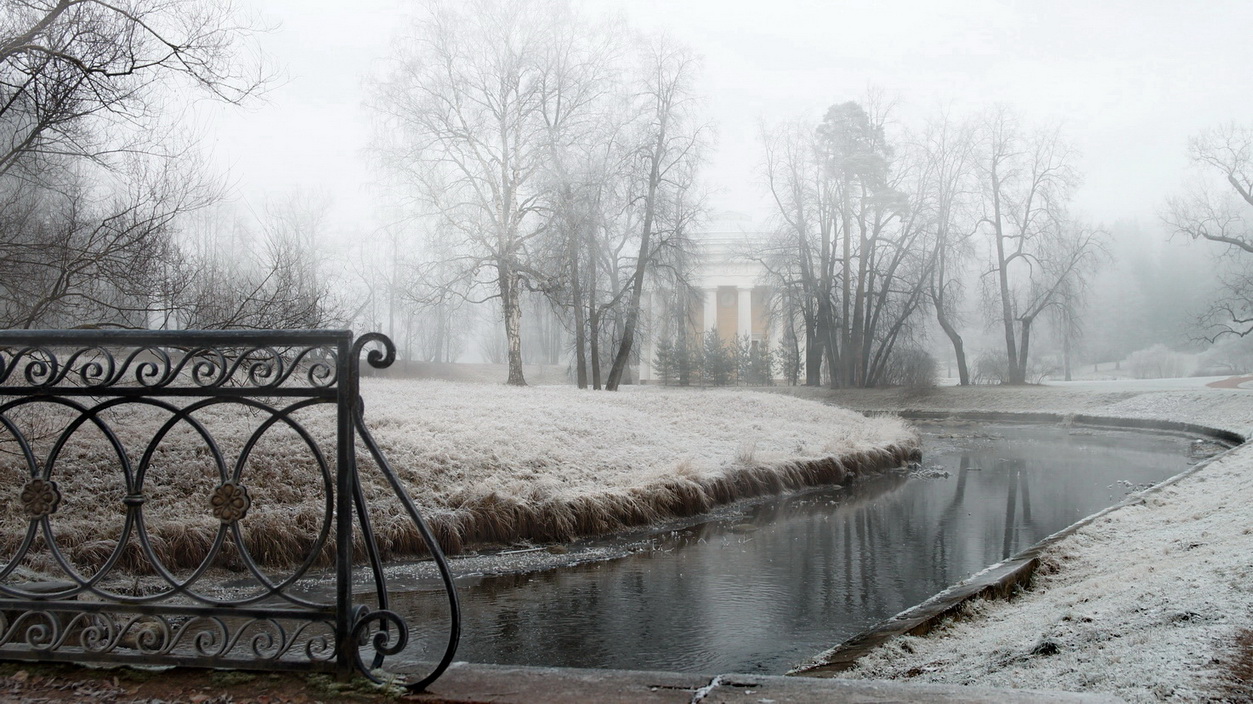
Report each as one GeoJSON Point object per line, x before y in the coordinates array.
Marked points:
{"type": "Point", "coordinates": [112, 550]}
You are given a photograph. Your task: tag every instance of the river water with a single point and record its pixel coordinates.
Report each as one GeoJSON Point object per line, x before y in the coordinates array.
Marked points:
{"type": "Point", "coordinates": [761, 588]}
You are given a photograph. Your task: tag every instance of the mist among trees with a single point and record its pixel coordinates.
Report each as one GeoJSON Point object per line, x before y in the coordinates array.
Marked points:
{"type": "Point", "coordinates": [541, 176]}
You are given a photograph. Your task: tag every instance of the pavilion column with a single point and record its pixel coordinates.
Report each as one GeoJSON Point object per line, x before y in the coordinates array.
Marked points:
{"type": "Point", "coordinates": [711, 310]}
{"type": "Point", "coordinates": [744, 306]}
{"type": "Point", "coordinates": [650, 341]}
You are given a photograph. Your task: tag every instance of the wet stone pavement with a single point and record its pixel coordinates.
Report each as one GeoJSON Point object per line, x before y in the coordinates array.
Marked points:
{"type": "Point", "coordinates": [464, 683]}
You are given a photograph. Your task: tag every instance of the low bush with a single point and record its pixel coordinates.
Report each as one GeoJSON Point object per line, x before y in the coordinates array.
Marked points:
{"type": "Point", "coordinates": [990, 368]}
{"type": "Point", "coordinates": [1157, 362]}
{"type": "Point", "coordinates": [911, 367]}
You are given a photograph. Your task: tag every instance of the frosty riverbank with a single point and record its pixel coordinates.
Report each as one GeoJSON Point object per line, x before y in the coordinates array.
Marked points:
{"type": "Point", "coordinates": [1148, 603]}
{"type": "Point", "coordinates": [487, 464]}
{"type": "Point", "coordinates": [498, 464]}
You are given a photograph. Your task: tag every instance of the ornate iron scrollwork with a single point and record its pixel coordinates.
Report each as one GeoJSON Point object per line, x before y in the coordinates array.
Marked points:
{"type": "Point", "coordinates": [123, 594]}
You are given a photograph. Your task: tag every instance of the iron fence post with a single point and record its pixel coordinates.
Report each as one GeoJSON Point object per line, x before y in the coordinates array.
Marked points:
{"type": "Point", "coordinates": [346, 655]}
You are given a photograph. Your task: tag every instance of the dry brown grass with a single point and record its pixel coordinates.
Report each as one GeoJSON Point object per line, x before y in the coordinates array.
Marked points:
{"type": "Point", "coordinates": [1238, 684]}
{"type": "Point", "coordinates": [485, 486]}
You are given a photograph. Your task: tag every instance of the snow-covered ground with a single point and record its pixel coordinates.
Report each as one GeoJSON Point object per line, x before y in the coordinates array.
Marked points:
{"type": "Point", "coordinates": [1146, 603]}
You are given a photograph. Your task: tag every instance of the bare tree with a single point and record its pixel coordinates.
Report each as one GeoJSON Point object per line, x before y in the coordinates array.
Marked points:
{"type": "Point", "coordinates": [1216, 207]}
{"type": "Point", "coordinates": [91, 185]}
{"type": "Point", "coordinates": [431, 289]}
{"type": "Point", "coordinates": [471, 105]}
{"type": "Point", "coordinates": [79, 75]}
{"type": "Point", "coordinates": [951, 197]}
{"type": "Point", "coordinates": [270, 273]}
{"type": "Point", "coordinates": [894, 282]}
{"type": "Point", "coordinates": [1038, 256]}
{"type": "Point", "coordinates": [669, 146]}
{"type": "Point", "coordinates": [803, 261]}
{"type": "Point", "coordinates": [585, 119]}
{"type": "Point", "coordinates": [888, 238]}
{"type": "Point", "coordinates": [852, 255]}
{"type": "Point", "coordinates": [86, 254]}
{"type": "Point", "coordinates": [855, 153]}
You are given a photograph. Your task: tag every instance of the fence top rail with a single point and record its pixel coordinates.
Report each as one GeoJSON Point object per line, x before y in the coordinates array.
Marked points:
{"type": "Point", "coordinates": [171, 338]}
{"type": "Point", "coordinates": [168, 362]}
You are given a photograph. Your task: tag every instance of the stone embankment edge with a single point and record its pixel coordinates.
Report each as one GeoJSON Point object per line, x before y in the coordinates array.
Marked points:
{"type": "Point", "coordinates": [1003, 579]}
{"type": "Point", "coordinates": [504, 684]}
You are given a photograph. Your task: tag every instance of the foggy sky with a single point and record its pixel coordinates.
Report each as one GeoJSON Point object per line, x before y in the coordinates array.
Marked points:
{"type": "Point", "coordinates": [1129, 80]}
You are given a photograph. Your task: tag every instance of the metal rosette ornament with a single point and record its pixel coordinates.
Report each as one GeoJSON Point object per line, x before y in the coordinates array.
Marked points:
{"type": "Point", "coordinates": [382, 630]}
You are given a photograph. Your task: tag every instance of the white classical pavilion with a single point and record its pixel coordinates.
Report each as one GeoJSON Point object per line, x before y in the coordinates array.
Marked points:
{"type": "Point", "coordinates": [732, 286]}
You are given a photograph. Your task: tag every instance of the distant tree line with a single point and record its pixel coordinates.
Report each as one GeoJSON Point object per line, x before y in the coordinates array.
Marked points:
{"type": "Point", "coordinates": [537, 153]}
{"type": "Point", "coordinates": [877, 230]}
{"type": "Point", "coordinates": [548, 163]}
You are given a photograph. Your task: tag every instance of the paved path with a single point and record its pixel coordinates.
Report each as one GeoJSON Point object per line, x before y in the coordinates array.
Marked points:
{"type": "Point", "coordinates": [499, 684]}
{"type": "Point", "coordinates": [1187, 383]}
{"type": "Point", "coordinates": [1147, 385]}
{"type": "Point", "coordinates": [1235, 382]}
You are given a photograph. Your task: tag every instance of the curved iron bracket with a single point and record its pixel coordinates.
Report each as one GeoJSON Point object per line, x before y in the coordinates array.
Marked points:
{"type": "Point", "coordinates": [382, 641]}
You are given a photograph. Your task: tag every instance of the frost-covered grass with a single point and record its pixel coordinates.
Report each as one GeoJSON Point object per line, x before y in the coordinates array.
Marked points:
{"type": "Point", "coordinates": [498, 464]}
{"type": "Point", "coordinates": [486, 464]}
{"type": "Point", "coordinates": [1151, 602]}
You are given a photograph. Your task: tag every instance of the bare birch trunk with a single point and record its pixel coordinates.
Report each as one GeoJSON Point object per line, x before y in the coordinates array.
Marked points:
{"type": "Point", "coordinates": [511, 307]}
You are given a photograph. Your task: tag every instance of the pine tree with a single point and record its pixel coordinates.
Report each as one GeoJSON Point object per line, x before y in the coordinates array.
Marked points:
{"type": "Point", "coordinates": [719, 360]}
{"type": "Point", "coordinates": [664, 362]}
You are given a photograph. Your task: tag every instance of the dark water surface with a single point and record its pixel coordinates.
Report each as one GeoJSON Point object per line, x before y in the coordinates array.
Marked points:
{"type": "Point", "coordinates": [769, 586]}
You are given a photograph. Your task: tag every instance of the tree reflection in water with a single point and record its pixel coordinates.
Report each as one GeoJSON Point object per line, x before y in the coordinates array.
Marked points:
{"type": "Point", "coordinates": [766, 586]}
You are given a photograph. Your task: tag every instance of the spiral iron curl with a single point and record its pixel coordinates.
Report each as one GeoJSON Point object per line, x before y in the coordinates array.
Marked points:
{"type": "Point", "coordinates": [379, 359]}
{"type": "Point", "coordinates": [391, 638]}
